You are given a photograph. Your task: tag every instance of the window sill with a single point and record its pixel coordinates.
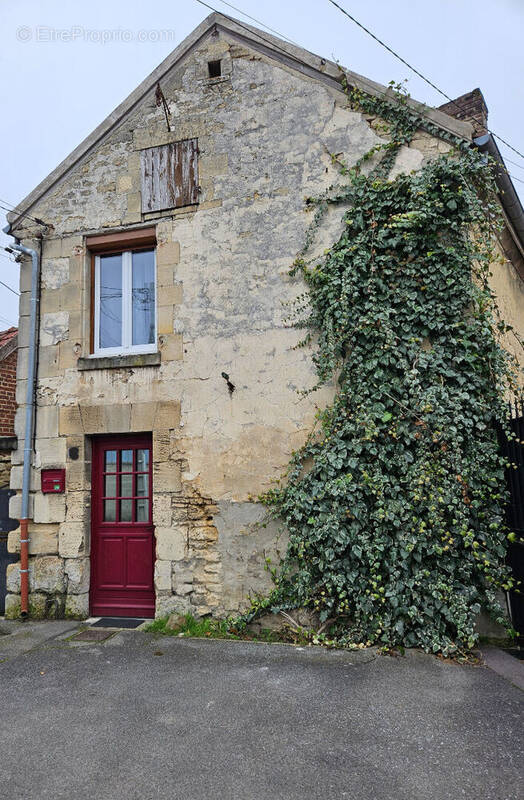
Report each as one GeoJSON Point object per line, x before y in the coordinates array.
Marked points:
{"type": "Point", "coordinates": [116, 362]}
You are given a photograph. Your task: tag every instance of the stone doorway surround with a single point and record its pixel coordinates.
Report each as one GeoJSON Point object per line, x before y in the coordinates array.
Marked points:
{"type": "Point", "coordinates": [59, 565]}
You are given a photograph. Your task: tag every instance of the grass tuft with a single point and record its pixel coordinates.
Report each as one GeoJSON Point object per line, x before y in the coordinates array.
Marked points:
{"type": "Point", "coordinates": [211, 628]}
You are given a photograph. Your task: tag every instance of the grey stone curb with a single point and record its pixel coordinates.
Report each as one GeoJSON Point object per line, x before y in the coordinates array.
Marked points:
{"type": "Point", "coordinates": [505, 665]}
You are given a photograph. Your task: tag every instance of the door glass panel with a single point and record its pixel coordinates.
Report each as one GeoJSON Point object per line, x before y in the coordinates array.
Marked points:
{"type": "Point", "coordinates": [142, 486]}
{"type": "Point", "coordinates": [143, 297]}
{"type": "Point", "coordinates": [110, 486]}
{"type": "Point", "coordinates": [142, 460]}
{"type": "Point", "coordinates": [109, 510]}
{"type": "Point", "coordinates": [126, 486]}
{"type": "Point", "coordinates": [110, 461]}
{"type": "Point", "coordinates": [126, 511]}
{"type": "Point", "coordinates": [127, 480]}
{"type": "Point", "coordinates": [127, 461]}
{"type": "Point", "coordinates": [110, 330]}
{"type": "Point", "coordinates": [142, 510]}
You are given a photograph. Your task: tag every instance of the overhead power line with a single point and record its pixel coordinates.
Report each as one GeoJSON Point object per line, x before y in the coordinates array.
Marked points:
{"type": "Point", "coordinates": [7, 322]}
{"type": "Point", "coordinates": [254, 19]}
{"type": "Point", "coordinates": [520, 166]}
{"type": "Point", "coordinates": [10, 288]}
{"type": "Point", "coordinates": [366, 30]}
{"type": "Point", "coordinates": [250, 30]}
{"type": "Point", "coordinates": [420, 75]}
{"type": "Point", "coordinates": [373, 87]}
{"type": "Point", "coordinates": [14, 209]}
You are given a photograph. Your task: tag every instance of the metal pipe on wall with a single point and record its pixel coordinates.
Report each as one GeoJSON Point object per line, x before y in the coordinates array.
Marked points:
{"type": "Point", "coordinates": [29, 423]}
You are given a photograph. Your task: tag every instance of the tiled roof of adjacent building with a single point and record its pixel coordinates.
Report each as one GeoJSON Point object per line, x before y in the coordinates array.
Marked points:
{"type": "Point", "coordinates": [7, 335]}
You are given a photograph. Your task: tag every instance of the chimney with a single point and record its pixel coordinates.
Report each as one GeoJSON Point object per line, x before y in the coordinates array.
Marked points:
{"type": "Point", "coordinates": [470, 107]}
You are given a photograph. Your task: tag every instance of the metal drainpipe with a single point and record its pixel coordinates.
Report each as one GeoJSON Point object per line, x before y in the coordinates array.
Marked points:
{"type": "Point", "coordinates": [29, 425]}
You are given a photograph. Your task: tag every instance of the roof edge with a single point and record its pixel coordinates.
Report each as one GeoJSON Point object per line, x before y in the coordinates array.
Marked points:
{"type": "Point", "coordinates": [113, 119]}
{"type": "Point", "coordinates": [9, 347]}
{"type": "Point", "coordinates": [325, 69]}
{"type": "Point", "coordinates": [269, 45]}
{"type": "Point", "coordinates": [509, 198]}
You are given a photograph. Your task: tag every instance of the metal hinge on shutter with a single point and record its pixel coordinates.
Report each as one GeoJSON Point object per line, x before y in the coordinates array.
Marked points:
{"type": "Point", "coordinates": [169, 175]}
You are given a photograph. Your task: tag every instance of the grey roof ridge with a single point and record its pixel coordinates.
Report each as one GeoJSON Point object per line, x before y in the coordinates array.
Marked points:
{"type": "Point", "coordinates": [293, 56]}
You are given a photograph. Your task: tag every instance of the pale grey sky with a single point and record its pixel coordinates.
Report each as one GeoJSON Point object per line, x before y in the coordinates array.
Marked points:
{"type": "Point", "coordinates": [65, 66]}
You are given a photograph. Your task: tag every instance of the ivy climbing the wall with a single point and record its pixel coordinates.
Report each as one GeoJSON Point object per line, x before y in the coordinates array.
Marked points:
{"type": "Point", "coordinates": [395, 505]}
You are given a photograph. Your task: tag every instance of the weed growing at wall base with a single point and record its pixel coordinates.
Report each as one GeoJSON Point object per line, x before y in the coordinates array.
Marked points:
{"type": "Point", "coordinates": [395, 504]}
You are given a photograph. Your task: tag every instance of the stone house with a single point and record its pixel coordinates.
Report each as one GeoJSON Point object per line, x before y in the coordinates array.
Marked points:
{"type": "Point", "coordinates": [167, 381]}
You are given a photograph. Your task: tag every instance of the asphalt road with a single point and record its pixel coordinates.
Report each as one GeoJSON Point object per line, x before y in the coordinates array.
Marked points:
{"type": "Point", "coordinates": [140, 717]}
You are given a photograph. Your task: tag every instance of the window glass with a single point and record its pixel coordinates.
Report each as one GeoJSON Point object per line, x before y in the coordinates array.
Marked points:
{"type": "Point", "coordinates": [110, 461]}
{"type": "Point", "coordinates": [126, 486]}
{"type": "Point", "coordinates": [110, 486]}
{"type": "Point", "coordinates": [143, 297]}
{"type": "Point", "coordinates": [109, 510]}
{"type": "Point", "coordinates": [126, 510]}
{"type": "Point", "coordinates": [110, 333]}
{"type": "Point", "coordinates": [142, 510]}
{"type": "Point", "coordinates": [142, 485]}
{"type": "Point", "coordinates": [142, 460]}
{"type": "Point", "coordinates": [127, 461]}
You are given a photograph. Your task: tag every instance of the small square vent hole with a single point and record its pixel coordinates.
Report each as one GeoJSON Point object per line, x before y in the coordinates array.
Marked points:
{"type": "Point", "coordinates": [214, 69]}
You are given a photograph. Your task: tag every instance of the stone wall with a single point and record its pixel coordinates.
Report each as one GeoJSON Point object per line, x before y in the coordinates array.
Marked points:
{"type": "Point", "coordinates": [265, 133]}
{"type": "Point", "coordinates": [5, 467]}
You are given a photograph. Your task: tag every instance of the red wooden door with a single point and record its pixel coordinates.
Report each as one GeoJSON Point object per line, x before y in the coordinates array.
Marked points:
{"type": "Point", "coordinates": [122, 541]}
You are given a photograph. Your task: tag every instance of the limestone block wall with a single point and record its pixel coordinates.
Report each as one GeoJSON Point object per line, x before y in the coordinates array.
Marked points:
{"type": "Point", "coordinates": [5, 467]}
{"type": "Point", "coordinates": [264, 133]}
{"type": "Point", "coordinates": [508, 287]}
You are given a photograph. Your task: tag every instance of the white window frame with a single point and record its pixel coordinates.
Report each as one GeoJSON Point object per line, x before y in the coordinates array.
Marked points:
{"type": "Point", "coordinates": [126, 347]}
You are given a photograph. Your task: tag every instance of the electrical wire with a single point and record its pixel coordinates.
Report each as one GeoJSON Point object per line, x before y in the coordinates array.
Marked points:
{"type": "Point", "coordinates": [15, 210]}
{"type": "Point", "coordinates": [374, 88]}
{"type": "Point", "coordinates": [520, 166]}
{"type": "Point", "coordinates": [7, 322]}
{"type": "Point", "coordinates": [10, 288]}
{"type": "Point", "coordinates": [254, 19]}
{"type": "Point", "coordinates": [270, 42]}
{"type": "Point", "coordinates": [273, 45]}
{"type": "Point", "coordinates": [420, 75]}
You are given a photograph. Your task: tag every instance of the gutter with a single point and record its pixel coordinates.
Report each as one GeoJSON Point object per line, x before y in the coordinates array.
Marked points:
{"type": "Point", "coordinates": [29, 423]}
{"type": "Point", "coordinates": [508, 196]}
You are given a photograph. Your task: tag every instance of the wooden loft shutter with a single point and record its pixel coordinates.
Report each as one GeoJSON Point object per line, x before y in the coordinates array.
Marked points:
{"type": "Point", "coordinates": [169, 175]}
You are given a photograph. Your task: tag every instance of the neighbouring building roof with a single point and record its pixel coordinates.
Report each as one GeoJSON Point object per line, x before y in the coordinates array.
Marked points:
{"type": "Point", "coordinates": [8, 347]}
{"type": "Point", "coordinates": [8, 342]}
{"type": "Point", "coordinates": [472, 108]}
